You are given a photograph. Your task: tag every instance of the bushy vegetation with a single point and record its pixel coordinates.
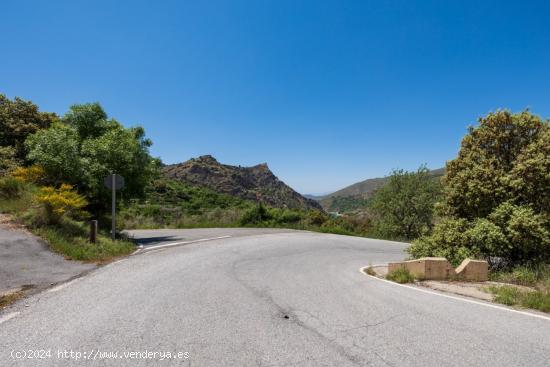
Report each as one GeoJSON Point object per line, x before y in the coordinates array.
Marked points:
{"type": "Point", "coordinates": [70, 238]}
{"type": "Point", "coordinates": [85, 146]}
{"type": "Point", "coordinates": [497, 195]}
{"type": "Point", "coordinates": [404, 207]}
{"type": "Point", "coordinates": [34, 174]}
{"type": "Point", "coordinates": [170, 203]}
{"type": "Point", "coordinates": [63, 233]}
{"type": "Point", "coordinates": [401, 275]}
{"type": "Point", "coordinates": [18, 120]}
{"type": "Point", "coordinates": [10, 187]}
{"type": "Point", "coordinates": [537, 276]}
{"type": "Point", "coordinates": [52, 170]}
{"type": "Point", "coordinates": [512, 296]}
{"type": "Point", "coordinates": [494, 201]}
{"type": "Point", "coordinates": [346, 204]}
{"type": "Point", "coordinates": [173, 204]}
{"type": "Point", "coordinates": [61, 203]}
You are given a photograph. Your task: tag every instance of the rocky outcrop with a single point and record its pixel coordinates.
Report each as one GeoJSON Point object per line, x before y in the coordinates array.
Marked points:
{"type": "Point", "coordinates": [251, 183]}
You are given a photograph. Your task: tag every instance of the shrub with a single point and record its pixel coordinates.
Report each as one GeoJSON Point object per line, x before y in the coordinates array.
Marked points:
{"type": "Point", "coordinates": [403, 208]}
{"type": "Point", "coordinates": [256, 215]}
{"type": "Point", "coordinates": [8, 161]}
{"type": "Point", "coordinates": [64, 201]}
{"type": "Point", "coordinates": [528, 237]}
{"type": "Point", "coordinates": [32, 174]}
{"type": "Point", "coordinates": [400, 275]}
{"type": "Point", "coordinates": [497, 189]}
{"type": "Point", "coordinates": [316, 217]}
{"type": "Point", "coordinates": [10, 187]}
{"type": "Point", "coordinates": [287, 216]}
{"type": "Point", "coordinates": [450, 239]}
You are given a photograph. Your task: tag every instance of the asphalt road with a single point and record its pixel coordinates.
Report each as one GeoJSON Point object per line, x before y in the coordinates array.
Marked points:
{"type": "Point", "coordinates": [25, 260]}
{"type": "Point", "coordinates": [278, 299]}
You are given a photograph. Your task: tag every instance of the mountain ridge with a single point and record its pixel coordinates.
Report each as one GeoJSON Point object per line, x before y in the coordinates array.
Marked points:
{"type": "Point", "coordinates": [361, 190]}
{"type": "Point", "coordinates": [257, 183]}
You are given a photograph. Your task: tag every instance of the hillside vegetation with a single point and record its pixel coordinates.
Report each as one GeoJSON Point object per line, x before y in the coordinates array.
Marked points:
{"type": "Point", "coordinates": [248, 183]}
{"type": "Point", "coordinates": [52, 171]}
{"type": "Point", "coordinates": [493, 201]}
{"type": "Point", "coordinates": [496, 202]}
{"type": "Point", "coordinates": [356, 196]}
{"type": "Point", "coordinates": [169, 203]}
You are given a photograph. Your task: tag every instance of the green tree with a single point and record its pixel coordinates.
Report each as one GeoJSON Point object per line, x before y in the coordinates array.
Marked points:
{"type": "Point", "coordinates": [497, 192]}
{"type": "Point", "coordinates": [57, 150]}
{"type": "Point", "coordinates": [120, 150]}
{"type": "Point", "coordinates": [491, 161]}
{"type": "Point", "coordinates": [89, 120]}
{"type": "Point", "coordinates": [404, 207]}
{"type": "Point", "coordinates": [86, 146]}
{"type": "Point", "coordinates": [530, 176]}
{"type": "Point", "coordinates": [18, 120]}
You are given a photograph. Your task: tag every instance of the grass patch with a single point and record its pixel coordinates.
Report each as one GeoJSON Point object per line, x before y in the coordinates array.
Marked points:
{"type": "Point", "coordinates": [505, 294]}
{"type": "Point", "coordinates": [73, 243]}
{"type": "Point", "coordinates": [537, 276]}
{"type": "Point", "coordinates": [512, 296]}
{"type": "Point", "coordinates": [69, 237]}
{"type": "Point", "coordinates": [401, 275]}
{"type": "Point", "coordinates": [18, 203]}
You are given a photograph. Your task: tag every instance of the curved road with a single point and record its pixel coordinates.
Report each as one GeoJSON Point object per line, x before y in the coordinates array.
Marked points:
{"type": "Point", "coordinates": [283, 298]}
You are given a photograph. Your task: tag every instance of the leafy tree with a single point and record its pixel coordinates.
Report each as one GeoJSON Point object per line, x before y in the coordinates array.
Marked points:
{"type": "Point", "coordinates": [492, 162]}
{"type": "Point", "coordinates": [57, 150]}
{"type": "Point", "coordinates": [85, 147]}
{"type": "Point", "coordinates": [403, 208]}
{"type": "Point", "coordinates": [19, 119]}
{"type": "Point", "coordinates": [497, 193]}
{"type": "Point", "coordinates": [89, 120]}
{"type": "Point", "coordinates": [530, 176]}
{"type": "Point", "coordinates": [120, 150]}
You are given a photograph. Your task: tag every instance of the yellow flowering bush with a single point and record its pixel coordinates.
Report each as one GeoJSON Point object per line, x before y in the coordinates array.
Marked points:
{"type": "Point", "coordinates": [33, 174]}
{"type": "Point", "coordinates": [60, 202]}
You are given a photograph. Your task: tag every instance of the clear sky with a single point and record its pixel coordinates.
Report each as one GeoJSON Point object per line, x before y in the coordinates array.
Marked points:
{"type": "Point", "coordinates": [327, 93]}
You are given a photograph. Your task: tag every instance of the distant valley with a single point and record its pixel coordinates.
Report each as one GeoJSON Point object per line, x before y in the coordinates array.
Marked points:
{"type": "Point", "coordinates": [355, 196]}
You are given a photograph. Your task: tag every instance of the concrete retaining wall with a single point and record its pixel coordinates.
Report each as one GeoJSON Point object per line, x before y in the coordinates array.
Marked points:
{"type": "Point", "coordinates": [439, 268]}
{"type": "Point", "coordinates": [473, 270]}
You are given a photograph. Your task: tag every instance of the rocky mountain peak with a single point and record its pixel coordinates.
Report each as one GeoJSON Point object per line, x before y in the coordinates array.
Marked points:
{"type": "Point", "coordinates": [244, 182]}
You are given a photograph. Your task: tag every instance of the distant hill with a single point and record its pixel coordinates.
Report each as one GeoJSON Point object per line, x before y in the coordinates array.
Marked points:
{"type": "Point", "coordinates": [250, 183]}
{"type": "Point", "coordinates": [354, 196]}
{"type": "Point", "coordinates": [313, 197]}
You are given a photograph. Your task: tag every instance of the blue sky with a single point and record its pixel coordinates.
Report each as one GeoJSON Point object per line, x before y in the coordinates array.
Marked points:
{"type": "Point", "coordinates": [327, 93]}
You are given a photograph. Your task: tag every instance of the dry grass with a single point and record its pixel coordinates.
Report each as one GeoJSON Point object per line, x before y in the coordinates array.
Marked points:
{"type": "Point", "coordinates": [11, 298]}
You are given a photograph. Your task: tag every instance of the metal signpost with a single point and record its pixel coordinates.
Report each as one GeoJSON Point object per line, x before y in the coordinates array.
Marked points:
{"type": "Point", "coordinates": [113, 182]}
